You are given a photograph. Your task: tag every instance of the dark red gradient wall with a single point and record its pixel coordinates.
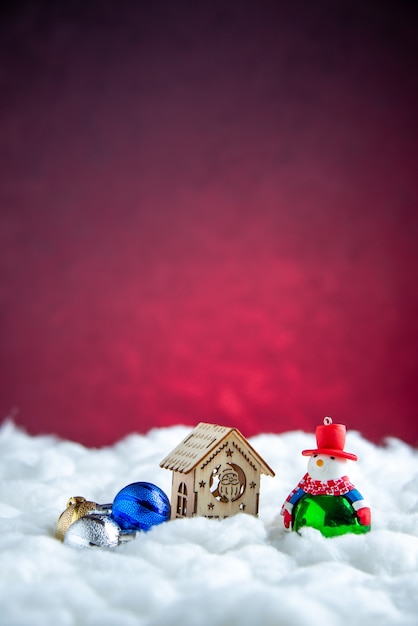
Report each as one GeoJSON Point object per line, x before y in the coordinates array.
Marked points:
{"type": "Point", "coordinates": [208, 211]}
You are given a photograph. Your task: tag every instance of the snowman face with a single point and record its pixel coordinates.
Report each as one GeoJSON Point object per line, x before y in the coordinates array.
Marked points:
{"type": "Point", "coordinates": [323, 467]}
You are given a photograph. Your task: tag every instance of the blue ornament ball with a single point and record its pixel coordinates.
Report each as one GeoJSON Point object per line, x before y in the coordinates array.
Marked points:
{"type": "Point", "coordinates": [139, 506]}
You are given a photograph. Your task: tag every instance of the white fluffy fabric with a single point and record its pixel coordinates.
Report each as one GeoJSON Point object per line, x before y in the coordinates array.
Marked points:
{"type": "Point", "coordinates": [239, 571]}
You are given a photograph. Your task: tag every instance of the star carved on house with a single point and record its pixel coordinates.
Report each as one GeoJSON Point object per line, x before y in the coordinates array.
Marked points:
{"type": "Point", "coordinates": [211, 505]}
{"type": "Point", "coordinates": [252, 485]}
{"type": "Point", "coordinates": [202, 484]}
{"type": "Point", "coordinates": [229, 452]}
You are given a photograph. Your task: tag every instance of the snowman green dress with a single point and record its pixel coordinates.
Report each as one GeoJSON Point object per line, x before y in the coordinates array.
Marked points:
{"type": "Point", "coordinates": [325, 498]}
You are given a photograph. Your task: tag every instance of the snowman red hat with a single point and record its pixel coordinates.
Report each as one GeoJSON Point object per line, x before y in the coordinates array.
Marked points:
{"type": "Point", "coordinates": [330, 439]}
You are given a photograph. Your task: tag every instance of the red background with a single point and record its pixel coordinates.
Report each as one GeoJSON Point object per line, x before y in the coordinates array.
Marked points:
{"type": "Point", "coordinates": [208, 212]}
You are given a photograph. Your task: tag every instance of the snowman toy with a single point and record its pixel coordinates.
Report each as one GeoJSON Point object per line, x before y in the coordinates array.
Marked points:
{"type": "Point", "coordinates": [325, 498]}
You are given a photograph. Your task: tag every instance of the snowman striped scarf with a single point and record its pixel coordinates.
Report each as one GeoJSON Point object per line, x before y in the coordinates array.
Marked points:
{"type": "Point", "coordinates": [337, 487]}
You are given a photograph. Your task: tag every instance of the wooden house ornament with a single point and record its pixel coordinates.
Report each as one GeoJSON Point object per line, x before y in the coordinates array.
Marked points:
{"type": "Point", "coordinates": [216, 473]}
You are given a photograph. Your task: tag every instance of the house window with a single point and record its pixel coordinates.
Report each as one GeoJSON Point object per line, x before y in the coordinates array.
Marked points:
{"type": "Point", "coordinates": [182, 500]}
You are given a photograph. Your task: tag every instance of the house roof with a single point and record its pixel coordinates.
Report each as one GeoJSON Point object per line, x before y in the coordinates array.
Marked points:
{"type": "Point", "coordinates": [200, 444]}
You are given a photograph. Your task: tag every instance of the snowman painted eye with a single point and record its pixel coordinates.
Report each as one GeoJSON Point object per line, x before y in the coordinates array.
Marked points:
{"type": "Point", "coordinates": [314, 456]}
{"type": "Point", "coordinates": [332, 457]}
